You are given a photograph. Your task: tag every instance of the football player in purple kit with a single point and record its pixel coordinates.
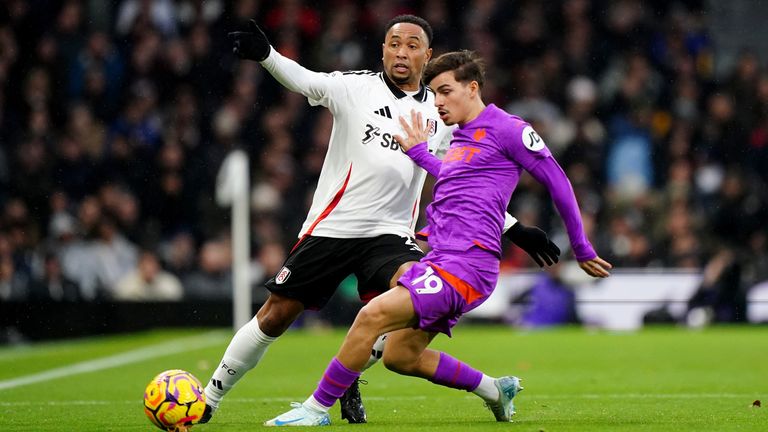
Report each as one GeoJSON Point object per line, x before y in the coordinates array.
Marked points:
{"type": "Point", "coordinates": [488, 153]}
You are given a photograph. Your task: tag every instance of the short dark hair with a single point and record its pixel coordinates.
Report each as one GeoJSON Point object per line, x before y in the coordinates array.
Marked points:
{"type": "Point", "coordinates": [411, 19]}
{"type": "Point", "coordinates": [466, 66]}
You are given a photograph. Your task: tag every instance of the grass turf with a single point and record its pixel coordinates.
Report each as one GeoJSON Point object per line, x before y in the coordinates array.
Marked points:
{"type": "Point", "coordinates": [664, 379]}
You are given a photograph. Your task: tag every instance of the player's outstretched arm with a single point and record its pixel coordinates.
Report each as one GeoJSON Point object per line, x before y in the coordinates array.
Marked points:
{"type": "Point", "coordinates": [254, 45]}
{"type": "Point", "coordinates": [549, 173]}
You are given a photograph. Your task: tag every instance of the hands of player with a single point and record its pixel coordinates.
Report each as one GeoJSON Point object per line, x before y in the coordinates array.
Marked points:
{"type": "Point", "coordinates": [252, 44]}
{"type": "Point", "coordinates": [535, 243]}
{"type": "Point", "coordinates": [416, 131]}
{"type": "Point", "coordinates": [596, 267]}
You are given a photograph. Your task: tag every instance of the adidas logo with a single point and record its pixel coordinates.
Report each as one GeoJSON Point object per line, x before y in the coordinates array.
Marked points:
{"type": "Point", "coordinates": [384, 112]}
{"type": "Point", "coordinates": [217, 383]}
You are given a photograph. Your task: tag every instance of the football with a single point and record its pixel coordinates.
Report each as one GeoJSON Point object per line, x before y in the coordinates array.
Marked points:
{"type": "Point", "coordinates": [174, 400]}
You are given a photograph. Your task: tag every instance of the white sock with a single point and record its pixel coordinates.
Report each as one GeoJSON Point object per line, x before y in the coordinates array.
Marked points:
{"type": "Point", "coordinates": [376, 352]}
{"type": "Point", "coordinates": [487, 389]}
{"type": "Point", "coordinates": [314, 405]}
{"type": "Point", "coordinates": [243, 353]}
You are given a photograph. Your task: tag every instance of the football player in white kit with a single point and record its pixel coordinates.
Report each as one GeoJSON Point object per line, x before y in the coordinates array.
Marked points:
{"type": "Point", "coordinates": [365, 207]}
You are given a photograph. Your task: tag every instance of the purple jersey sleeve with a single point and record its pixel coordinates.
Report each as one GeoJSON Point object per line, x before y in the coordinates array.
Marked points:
{"type": "Point", "coordinates": [423, 158]}
{"type": "Point", "coordinates": [527, 148]}
{"type": "Point", "coordinates": [549, 173]}
{"type": "Point", "coordinates": [524, 145]}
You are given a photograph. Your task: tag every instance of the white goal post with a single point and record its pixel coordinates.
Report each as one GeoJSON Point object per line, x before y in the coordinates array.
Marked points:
{"type": "Point", "coordinates": [232, 186]}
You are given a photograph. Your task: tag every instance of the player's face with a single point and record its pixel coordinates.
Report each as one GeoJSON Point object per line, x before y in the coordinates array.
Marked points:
{"type": "Point", "coordinates": [454, 100]}
{"type": "Point", "coordinates": [405, 53]}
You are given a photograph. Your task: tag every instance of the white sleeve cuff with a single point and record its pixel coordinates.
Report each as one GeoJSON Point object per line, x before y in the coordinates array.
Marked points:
{"type": "Point", "coordinates": [509, 220]}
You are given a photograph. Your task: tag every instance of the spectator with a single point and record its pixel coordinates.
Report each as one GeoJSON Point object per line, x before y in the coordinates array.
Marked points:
{"type": "Point", "coordinates": [115, 255]}
{"type": "Point", "coordinates": [148, 282]}
{"type": "Point", "coordinates": [178, 254]}
{"type": "Point", "coordinates": [54, 286]}
{"type": "Point", "coordinates": [550, 301]}
{"type": "Point", "coordinates": [135, 16]}
{"type": "Point", "coordinates": [213, 279]}
{"type": "Point", "coordinates": [14, 286]}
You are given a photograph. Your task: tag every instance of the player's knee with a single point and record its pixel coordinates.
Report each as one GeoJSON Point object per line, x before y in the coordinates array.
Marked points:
{"type": "Point", "coordinates": [400, 358]}
{"type": "Point", "coordinates": [399, 362]}
{"type": "Point", "coordinates": [370, 315]}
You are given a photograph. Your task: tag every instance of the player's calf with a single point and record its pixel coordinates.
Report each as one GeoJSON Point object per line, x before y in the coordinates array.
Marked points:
{"type": "Point", "coordinates": [352, 408]}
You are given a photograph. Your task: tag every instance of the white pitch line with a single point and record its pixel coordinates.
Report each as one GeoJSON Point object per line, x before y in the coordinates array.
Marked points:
{"type": "Point", "coordinates": [644, 396]}
{"type": "Point", "coordinates": [415, 398]}
{"type": "Point", "coordinates": [152, 351]}
{"type": "Point", "coordinates": [534, 397]}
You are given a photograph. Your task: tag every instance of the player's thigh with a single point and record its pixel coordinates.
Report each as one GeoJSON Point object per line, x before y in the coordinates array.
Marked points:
{"type": "Point", "coordinates": [392, 310]}
{"type": "Point", "coordinates": [314, 270]}
{"type": "Point", "coordinates": [400, 272]}
{"type": "Point", "coordinates": [381, 259]}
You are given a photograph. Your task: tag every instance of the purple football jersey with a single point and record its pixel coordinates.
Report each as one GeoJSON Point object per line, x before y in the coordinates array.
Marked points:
{"type": "Point", "coordinates": [477, 177]}
{"type": "Point", "coordinates": [478, 174]}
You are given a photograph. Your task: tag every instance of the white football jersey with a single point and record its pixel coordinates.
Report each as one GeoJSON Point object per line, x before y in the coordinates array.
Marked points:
{"type": "Point", "coordinates": [367, 186]}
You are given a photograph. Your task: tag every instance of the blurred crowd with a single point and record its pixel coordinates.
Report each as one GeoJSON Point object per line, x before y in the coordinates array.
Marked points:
{"type": "Point", "coordinates": [115, 117]}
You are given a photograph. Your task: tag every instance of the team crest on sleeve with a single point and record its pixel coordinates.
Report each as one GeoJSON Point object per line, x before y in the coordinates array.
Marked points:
{"type": "Point", "coordinates": [531, 140]}
{"type": "Point", "coordinates": [283, 275]}
{"type": "Point", "coordinates": [431, 127]}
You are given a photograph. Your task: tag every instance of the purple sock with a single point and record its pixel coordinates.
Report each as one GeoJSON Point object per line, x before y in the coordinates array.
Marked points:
{"type": "Point", "coordinates": [455, 374]}
{"type": "Point", "coordinates": [336, 380]}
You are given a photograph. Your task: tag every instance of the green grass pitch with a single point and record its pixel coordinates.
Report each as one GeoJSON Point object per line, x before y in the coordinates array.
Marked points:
{"type": "Point", "coordinates": [665, 379]}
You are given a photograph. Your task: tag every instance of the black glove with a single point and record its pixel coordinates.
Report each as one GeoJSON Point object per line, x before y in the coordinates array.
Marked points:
{"type": "Point", "coordinates": [252, 44]}
{"type": "Point", "coordinates": [535, 242]}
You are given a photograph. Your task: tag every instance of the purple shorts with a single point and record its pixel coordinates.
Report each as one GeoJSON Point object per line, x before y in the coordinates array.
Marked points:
{"type": "Point", "coordinates": [446, 285]}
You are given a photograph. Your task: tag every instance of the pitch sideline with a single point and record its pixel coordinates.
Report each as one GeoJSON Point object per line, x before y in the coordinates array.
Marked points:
{"type": "Point", "coordinates": [417, 398]}
{"type": "Point", "coordinates": [158, 350]}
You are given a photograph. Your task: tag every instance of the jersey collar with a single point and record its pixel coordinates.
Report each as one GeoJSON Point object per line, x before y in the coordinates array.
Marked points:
{"type": "Point", "coordinates": [421, 96]}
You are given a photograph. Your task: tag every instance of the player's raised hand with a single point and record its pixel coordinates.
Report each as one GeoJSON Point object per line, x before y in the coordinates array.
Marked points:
{"type": "Point", "coordinates": [415, 132]}
{"type": "Point", "coordinates": [596, 267]}
{"type": "Point", "coordinates": [535, 243]}
{"type": "Point", "coordinates": [252, 44]}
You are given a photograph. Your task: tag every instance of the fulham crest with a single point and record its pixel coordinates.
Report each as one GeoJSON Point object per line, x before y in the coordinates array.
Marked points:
{"type": "Point", "coordinates": [531, 140]}
{"type": "Point", "coordinates": [283, 275]}
{"type": "Point", "coordinates": [431, 127]}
